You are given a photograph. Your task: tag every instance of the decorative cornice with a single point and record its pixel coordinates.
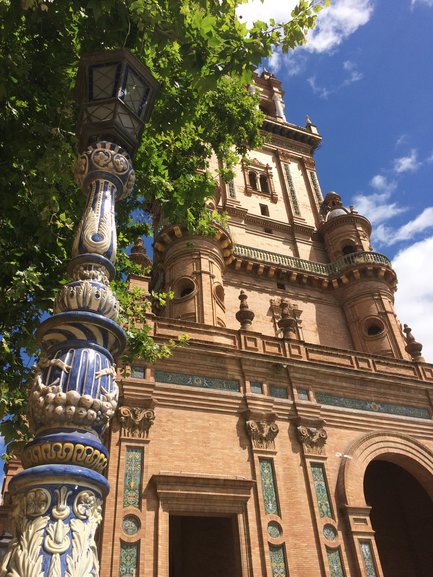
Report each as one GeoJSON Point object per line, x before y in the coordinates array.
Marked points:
{"type": "Point", "coordinates": [268, 223]}
{"type": "Point", "coordinates": [349, 218]}
{"type": "Point", "coordinates": [292, 132]}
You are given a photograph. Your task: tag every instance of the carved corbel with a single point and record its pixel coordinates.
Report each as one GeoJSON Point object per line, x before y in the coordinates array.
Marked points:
{"type": "Point", "coordinates": [312, 435]}
{"type": "Point", "coordinates": [262, 430]}
{"type": "Point", "coordinates": [136, 421]}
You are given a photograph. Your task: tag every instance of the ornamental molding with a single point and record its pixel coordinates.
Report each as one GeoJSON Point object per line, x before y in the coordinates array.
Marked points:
{"type": "Point", "coordinates": [136, 421]}
{"type": "Point", "coordinates": [262, 429]}
{"type": "Point", "coordinates": [312, 435]}
{"type": "Point", "coordinates": [268, 223]}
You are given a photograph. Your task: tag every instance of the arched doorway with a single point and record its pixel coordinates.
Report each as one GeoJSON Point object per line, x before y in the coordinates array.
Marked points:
{"type": "Point", "coordinates": [389, 461]}
{"type": "Point", "coordinates": [402, 518]}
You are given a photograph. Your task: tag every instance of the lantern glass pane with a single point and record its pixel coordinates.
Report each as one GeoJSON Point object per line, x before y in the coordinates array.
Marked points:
{"type": "Point", "coordinates": [135, 92]}
{"type": "Point", "coordinates": [125, 120]}
{"type": "Point", "coordinates": [100, 113]}
{"type": "Point", "coordinates": [104, 80]}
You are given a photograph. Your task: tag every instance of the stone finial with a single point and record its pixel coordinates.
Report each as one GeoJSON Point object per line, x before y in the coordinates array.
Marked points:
{"type": "Point", "coordinates": [289, 320]}
{"type": "Point", "coordinates": [139, 255]}
{"type": "Point", "coordinates": [244, 315]}
{"type": "Point", "coordinates": [412, 346]}
{"type": "Point", "coordinates": [308, 120]}
{"type": "Point", "coordinates": [333, 201]}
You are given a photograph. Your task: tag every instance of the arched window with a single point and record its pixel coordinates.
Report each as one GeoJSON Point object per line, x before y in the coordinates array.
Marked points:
{"type": "Point", "coordinates": [264, 183]}
{"type": "Point", "coordinates": [252, 177]}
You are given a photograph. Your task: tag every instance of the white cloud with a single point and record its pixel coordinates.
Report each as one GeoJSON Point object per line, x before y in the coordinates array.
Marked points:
{"type": "Point", "coordinates": [377, 206]}
{"type": "Point", "coordinates": [321, 91]}
{"type": "Point", "coordinates": [427, 2]}
{"type": "Point", "coordinates": [382, 184]}
{"type": "Point", "coordinates": [275, 61]}
{"type": "Point", "coordinates": [257, 10]}
{"type": "Point", "coordinates": [336, 23]}
{"type": "Point", "coordinates": [401, 140]}
{"type": "Point", "coordinates": [414, 268]}
{"type": "Point", "coordinates": [353, 75]}
{"type": "Point", "coordinates": [421, 223]}
{"type": "Point", "coordinates": [407, 163]}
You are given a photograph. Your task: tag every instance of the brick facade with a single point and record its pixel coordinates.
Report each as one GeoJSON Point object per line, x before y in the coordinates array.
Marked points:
{"type": "Point", "coordinates": [284, 395]}
{"type": "Point", "coordinates": [245, 453]}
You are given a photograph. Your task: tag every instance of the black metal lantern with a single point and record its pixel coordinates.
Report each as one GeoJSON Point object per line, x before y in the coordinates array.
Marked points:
{"type": "Point", "coordinates": [116, 93]}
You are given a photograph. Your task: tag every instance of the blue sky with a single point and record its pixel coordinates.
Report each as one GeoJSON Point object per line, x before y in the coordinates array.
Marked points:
{"type": "Point", "coordinates": [365, 78]}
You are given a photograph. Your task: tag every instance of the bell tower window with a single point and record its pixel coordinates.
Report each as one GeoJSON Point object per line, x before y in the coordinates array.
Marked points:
{"type": "Point", "coordinates": [264, 183]}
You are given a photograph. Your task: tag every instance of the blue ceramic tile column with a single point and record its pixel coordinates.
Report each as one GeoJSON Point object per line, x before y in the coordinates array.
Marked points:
{"type": "Point", "coordinates": [57, 499]}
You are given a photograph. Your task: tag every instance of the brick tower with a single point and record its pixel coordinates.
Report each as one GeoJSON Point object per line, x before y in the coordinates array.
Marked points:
{"type": "Point", "coordinates": [293, 436]}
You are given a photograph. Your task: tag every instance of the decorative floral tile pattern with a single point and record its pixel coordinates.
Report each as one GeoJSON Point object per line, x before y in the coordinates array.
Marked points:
{"type": "Point", "coordinates": [256, 387]}
{"type": "Point", "coordinates": [303, 394]}
{"type": "Point", "coordinates": [292, 191]}
{"type": "Point", "coordinates": [376, 407]}
{"type": "Point", "coordinates": [321, 489]}
{"type": "Point", "coordinates": [316, 188]}
{"type": "Point", "coordinates": [278, 392]}
{"type": "Point", "coordinates": [130, 525]}
{"type": "Point", "coordinates": [367, 555]}
{"type": "Point", "coordinates": [137, 372]}
{"type": "Point", "coordinates": [128, 560]}
{"type": "Point", "coordinates": [133, 472]}
{"type": "Point", "coordinates": [274, 530]}
{"type": "Point", "coordinates": [268, 487]}
{"type": "Point", "coordinates": [335, 564]}
{"type": "Point", "coordinates": [197, 381]}
{"type": "Point", "coordinates": [329, 532]}
{"type": "Point", "coordinates": [278, 561]}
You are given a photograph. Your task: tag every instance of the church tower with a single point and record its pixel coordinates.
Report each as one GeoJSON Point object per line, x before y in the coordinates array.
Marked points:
{"type": "Point", "coordinates": [293, 435]}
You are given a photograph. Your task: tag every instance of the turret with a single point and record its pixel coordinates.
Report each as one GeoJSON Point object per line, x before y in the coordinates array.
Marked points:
{"type": "Point", "coordinates": [192, 267]}
{"type": "Point", "coordinates": [369, 283]}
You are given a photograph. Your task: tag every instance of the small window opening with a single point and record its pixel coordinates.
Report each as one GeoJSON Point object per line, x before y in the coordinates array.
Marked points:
{"type": "Point", "coordinates": [374, 327]}
{"type": "Point", "coordinates": [281, 286]}
{"type": "Point", "coordinates": [257, 387]}
{"type": "Point", "coordinates": [184, 287]}
{"type": "Point", "coordinates": [252, 176]}
{"type": "Point", "coordinates": [348, 249]}
{"type": "Point", "coordinates": [268, 230]}
{"type": "Point", "coordinates": [264, 183]}
{"type": "Point", "coordinates": [186, 291]}
{"type": "Point", "coordinates": [264, 210]}
{"type": "Point", "coordinates": [374, 330]}
{"type": "Point", "coordinates": [219, 292]}
{"type": "Point", "coordinates": [232, 192]}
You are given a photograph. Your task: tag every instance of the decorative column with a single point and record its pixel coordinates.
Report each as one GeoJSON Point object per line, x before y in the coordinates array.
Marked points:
{"type": "Point", "coordinates": [57, 500]}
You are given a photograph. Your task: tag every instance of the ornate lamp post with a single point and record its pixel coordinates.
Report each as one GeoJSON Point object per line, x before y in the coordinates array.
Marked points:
{"type": "Point", "coordinates": [57, 499]}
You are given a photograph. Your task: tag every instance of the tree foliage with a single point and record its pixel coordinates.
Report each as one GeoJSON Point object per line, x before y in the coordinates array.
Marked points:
{"type": "Point", "coordinates": [202, 55]}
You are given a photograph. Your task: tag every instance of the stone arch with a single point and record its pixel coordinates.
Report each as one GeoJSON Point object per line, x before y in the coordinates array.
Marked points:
{"type": "Point", "coordinates": [394, 447]}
